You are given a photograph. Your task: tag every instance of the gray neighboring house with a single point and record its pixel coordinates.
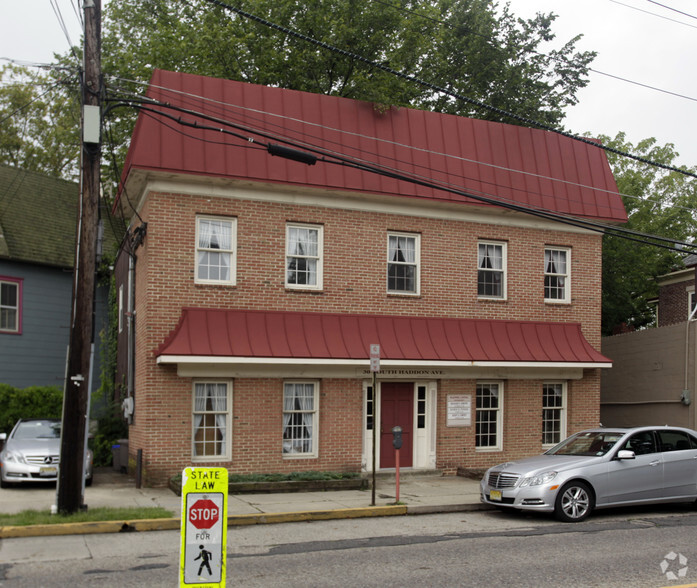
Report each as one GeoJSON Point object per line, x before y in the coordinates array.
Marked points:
{"type": "Point", "coordinates": [38, 220]}
{"type": "Point", "coordinates": [653, 380]}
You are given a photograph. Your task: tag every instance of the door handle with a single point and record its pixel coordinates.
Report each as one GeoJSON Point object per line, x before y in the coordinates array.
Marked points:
{"type": "Point", "coordinates": [655, 462]}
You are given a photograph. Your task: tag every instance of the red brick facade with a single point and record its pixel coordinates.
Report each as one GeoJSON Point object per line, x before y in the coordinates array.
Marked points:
{"type": "Point", "coordinates": [355, 243]}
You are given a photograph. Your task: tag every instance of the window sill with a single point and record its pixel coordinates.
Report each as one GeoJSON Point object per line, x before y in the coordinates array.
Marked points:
{"type": "Point", "coordinates": [299, 456]}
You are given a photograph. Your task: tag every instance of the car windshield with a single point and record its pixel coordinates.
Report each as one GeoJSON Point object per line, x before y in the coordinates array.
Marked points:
{"type": "Point", "coordinates": [589, 443]}
{"type": "Point", "coordinates": [38, 430]}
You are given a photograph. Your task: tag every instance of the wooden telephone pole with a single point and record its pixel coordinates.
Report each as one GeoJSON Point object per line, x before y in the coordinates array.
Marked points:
{"type": "Point", "coordinates": [76, 394]}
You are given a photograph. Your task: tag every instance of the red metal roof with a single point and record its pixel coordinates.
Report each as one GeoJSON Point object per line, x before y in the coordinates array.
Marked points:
{"type": "Point", "coordinates": [530, 167]}
{"type": "Point", "coordinates": [314, 336]}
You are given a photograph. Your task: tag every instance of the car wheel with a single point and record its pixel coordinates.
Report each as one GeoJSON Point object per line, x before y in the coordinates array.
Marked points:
{"type": "Point", "coordinates": [88, 481]}
{"type": "Point", "coordinates": [574, 503]}
{"type": "Point", "coordinates": [3, 484]}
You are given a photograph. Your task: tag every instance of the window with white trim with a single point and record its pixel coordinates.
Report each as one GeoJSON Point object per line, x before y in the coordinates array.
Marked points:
{"type": "Point", "coordinates": [491, 270]}
{"type": "Point", "coordinates": [553, 412]}
{"type": "Point", "coordinates": [557, 266]}
{"type": "Point", "coordinates": [10, 305]}
{"type": "Point", "coordinates": [304, 256]}
{"type": "Point", "coordinates": [211, 420]}
{"type": "Point", "coordinates": [489, 418]}
{"type": "Point", "coordinates": [300, 412]}
{"type": "Point", "coordinates": [403, 261]}
{"type": "Point", "coordinates": [690, 302]}
{"type": "Point", "coordinates": [216, 244]}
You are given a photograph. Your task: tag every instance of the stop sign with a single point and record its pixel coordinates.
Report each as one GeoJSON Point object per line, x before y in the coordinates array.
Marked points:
{"type": "Point", "coordinates": [203, 514]}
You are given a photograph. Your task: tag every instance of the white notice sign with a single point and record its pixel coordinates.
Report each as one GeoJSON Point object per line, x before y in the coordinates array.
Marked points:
{"type": "Point", "coordinates": [459, 410]}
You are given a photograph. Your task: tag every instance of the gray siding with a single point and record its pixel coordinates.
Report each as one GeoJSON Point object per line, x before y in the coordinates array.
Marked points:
{"type": "Point", "coordinates": [37, 356]}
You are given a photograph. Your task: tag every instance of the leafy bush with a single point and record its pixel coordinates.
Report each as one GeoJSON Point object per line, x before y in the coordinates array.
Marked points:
{"type": "Point", "coordinates": [109, 431]}
{"type": "Point", "coordinates": [26, 403]}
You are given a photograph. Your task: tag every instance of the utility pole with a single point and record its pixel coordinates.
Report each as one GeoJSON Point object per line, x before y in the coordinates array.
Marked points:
{"type": "Point", "coordinates": [76, 390]}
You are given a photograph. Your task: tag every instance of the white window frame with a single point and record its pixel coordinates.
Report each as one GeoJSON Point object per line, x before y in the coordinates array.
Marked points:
{"type": "Point", "coordinates": [498, 420]}
{"type": "Point", "coordinates": [231, 252]}
{"type": "Point", "coordinates": [690, 301]}
{"type": "Point", "coordinates": [17, 308]}
{"type": "Point", "coordinates": [226, 443]}
{"type": "Point", "coordinates": [566, 276]}
{"type": "Point", "coordinates": [561, 409]}
{"type": "Point", "coordinates": [120, 308]}
{"type": "Point", "coordinates": [286, 443]}
{"type": "Point", "coordinates": [318, 259]}
{"type": "Point", "coordinates": [503, 270]}
{"type": "Point", "coordinates": [416, 263]}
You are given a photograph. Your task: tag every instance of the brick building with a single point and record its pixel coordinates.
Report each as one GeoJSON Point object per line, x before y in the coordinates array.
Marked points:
{"type": "Point", "coordinates": [267, 255]}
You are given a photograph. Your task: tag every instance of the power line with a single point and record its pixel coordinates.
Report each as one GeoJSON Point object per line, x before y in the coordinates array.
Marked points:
{"type": "Point", "coordinates": [671, 8]}
{"type": "Point", "coordinates": [440, 89]}
{"type": "Point", "coordinates": [220, 107]}
{"type": "Point", "coordinates": [150, 107]}
{"type": "Point", "coordinates": [654, 14]}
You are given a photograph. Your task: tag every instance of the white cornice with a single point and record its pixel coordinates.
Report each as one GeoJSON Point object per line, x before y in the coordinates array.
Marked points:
{"type": "Point", "coordinates": [141, 183]}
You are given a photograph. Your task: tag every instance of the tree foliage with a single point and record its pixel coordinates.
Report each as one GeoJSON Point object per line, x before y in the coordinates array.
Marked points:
{"type": "Point", "coordinates": [40, 114]}
{"type": "Point", "coordinates": [658, 202]}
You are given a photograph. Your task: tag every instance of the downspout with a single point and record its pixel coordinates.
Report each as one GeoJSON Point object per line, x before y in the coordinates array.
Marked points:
{"type": "Point", "coordinates": [685, 396]}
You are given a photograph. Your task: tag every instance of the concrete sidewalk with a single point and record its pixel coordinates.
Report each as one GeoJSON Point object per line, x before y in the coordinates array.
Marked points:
{"type": "Point", "coordinates": [419, 494]}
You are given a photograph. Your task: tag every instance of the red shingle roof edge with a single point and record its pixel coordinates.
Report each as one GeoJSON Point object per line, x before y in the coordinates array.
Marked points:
{"type": "Point", "coordinates": [275, 335]}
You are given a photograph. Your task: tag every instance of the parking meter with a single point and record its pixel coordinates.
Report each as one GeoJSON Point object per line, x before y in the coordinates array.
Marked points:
{"type": "Point", "coordinates": [397, 437]}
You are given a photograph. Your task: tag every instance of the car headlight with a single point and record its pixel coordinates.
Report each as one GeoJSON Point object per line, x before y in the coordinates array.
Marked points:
{"type": "Point", "coordinates": [543, 478]}
{"type": "Point", "coordinates": [14, 456]}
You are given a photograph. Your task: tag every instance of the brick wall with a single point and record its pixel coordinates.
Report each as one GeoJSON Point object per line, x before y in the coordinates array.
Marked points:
{"type": "Point", "coordinates": [355, 245]}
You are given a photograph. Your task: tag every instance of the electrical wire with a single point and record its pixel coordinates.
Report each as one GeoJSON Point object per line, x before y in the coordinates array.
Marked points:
{"type": "Point", "coordinates": [151, 107]}
{"type": "Point", "coordinates": [440, 89]}
{"type": "Point", "coordinates": [222, 108]}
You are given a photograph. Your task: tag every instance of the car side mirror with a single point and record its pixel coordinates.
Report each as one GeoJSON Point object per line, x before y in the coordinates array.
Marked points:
{"type": "Point", "coordinates": [625, 454]}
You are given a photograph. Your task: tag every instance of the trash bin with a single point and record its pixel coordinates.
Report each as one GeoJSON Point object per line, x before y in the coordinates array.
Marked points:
{"type": "Point", "coordinates": [119, 455]}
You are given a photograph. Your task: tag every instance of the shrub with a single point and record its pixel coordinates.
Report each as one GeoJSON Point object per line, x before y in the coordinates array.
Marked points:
{"type": "Point", "coordinates": [32, 402]}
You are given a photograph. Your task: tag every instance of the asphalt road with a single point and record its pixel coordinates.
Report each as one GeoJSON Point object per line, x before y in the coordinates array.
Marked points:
{"type": "Point", "coordinates": [638, 548]}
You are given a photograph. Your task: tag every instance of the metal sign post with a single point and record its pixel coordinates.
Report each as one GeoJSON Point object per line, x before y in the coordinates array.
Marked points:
{"type": "Point", "coordinates": [375, 368]}
{"type": "Point", "coordinates": [203, 527]}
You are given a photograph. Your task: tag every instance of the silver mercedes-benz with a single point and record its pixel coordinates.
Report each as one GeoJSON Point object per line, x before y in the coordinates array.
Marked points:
{"type": "Point", "coordinates": [599, 468]}
{"type": "Point", "coordinates": [32, 453]}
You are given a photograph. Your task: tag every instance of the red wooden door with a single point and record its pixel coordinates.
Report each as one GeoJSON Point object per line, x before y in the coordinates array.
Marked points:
{"type": "Point", "coordinates": [396, 408]}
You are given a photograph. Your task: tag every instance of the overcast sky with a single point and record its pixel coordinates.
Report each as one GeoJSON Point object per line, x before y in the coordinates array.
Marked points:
{"type": "Point", "coordinates": [639, 40]}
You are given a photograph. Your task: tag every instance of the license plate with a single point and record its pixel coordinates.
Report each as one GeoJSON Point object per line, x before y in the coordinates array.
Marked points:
{"type": "Point", "coordinates": [48, 471]}
{"type": "Point", "coordinates": [495, 495]}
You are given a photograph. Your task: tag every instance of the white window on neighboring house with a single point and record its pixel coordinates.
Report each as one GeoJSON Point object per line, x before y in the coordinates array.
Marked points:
{"type": "Point", "coordinates": [216, 250]}
{"type": "Point", "coordinates": [300, 413]}
{"type": "Point", "coordinates": [557, 283]}
{"type": "Point", "coordinates": [304, 267]}
{"type": "Point", "coordinates": [10, 305]}
{"type": "Point", "coordinates": [553, 412]}
{"type": "Point", "coordinates": [691, 300]}
{"type": "Point", "coordinates": [120, 308]}
{"type": "Point", "coordinates": [489, 416]}
{"type": "Point", "coordinates": [211, 420]}
{"type": "Point", "coordinates": [491, 270]}
{"type": "Point", "coordinates": [403, 260]}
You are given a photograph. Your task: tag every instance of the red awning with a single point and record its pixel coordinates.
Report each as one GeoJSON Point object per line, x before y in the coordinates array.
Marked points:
{"type": "Point", "coordinates": [214, 335]}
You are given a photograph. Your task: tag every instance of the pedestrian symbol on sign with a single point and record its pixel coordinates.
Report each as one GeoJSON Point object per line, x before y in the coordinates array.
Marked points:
{"type": "Point", "coordinates": [205, 557]}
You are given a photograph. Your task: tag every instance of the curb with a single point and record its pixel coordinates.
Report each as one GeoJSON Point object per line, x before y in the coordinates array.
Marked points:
{"type": "Point", "coordinates": [233, 520]}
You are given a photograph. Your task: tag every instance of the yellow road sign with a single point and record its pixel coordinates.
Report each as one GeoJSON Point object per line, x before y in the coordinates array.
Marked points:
{"type": "Point", "coordinates": [203, 527]}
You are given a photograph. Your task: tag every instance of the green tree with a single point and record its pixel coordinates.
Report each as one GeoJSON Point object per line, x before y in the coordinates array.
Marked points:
{"type": "Point", "coordinates": [466, 46]}
{"type": "Point", "coordinates": [40, 115]}
{"type": "Point", "coordinates": [658, 202]}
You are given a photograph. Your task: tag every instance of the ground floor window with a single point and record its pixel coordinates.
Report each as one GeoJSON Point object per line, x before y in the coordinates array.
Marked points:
{"type": "Point", "coordinates": [300, 419]}
{"type": "Point", "coordinates": [553, 412]}
{"type": "Point", "coordinates": [211, 420]}
{"type": "Point", "coordinates": [488, 429]}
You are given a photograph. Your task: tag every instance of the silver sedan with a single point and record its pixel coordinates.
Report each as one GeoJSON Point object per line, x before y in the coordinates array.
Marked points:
{"type": "Point", "coordinates": [32, 453]}
{"type": "Point", "coordinates": [599, 468]}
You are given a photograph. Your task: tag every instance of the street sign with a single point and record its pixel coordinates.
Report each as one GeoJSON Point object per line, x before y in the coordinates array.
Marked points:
{"type": "Point", "coordinates": [374, 357]}
{"type": "Point", "coordinates": [204, 527]}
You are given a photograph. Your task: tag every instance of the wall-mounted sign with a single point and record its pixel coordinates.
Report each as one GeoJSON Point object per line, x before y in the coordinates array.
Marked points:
{"type": "Point", "coordinates": [459, 407]}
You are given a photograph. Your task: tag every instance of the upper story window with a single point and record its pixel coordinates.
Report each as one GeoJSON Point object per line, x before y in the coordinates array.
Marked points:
{"type": "Point", "coordinates": [557, 263]}
{"type": "Point", "coordinates": [403, 253]}
{"type": "Point", "coordinates": [304, 256]}
{"type": "Point", "coordinates": [491, 270]}
{"type": "Point", "coordinates": [10, 305]}
{"type": "Point", "coordinates": [216, 241]}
